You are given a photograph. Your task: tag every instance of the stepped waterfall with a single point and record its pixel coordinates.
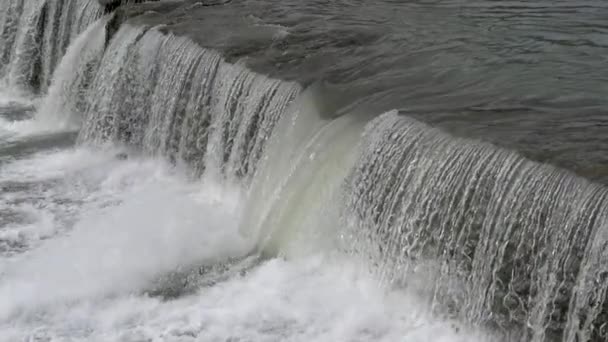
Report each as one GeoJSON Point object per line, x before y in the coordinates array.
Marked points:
{"type": "Point", "coordinates": [502, 242]}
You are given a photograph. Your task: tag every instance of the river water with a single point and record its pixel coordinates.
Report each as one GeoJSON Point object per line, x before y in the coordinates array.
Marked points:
{"type": "Point", "coordinates": [87, 239]}
{"type": "Point", "coordinates": [304, 171]}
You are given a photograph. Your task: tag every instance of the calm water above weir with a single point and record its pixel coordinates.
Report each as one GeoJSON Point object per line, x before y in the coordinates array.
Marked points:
{"type": "Point", "coordinates": [530, 75]}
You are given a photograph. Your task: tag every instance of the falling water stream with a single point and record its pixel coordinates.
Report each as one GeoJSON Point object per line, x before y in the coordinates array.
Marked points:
{"type": "Point", "coordinates": [156, 189]}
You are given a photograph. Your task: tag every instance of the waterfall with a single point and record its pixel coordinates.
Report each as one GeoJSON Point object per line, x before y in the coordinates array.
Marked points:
{"type": "Point", "coordinates": [72, 78]}
{"type": "Point", "coordinates": [9, 21]}
{"type": "Point", "coordinates": [34, 35]}
{"type": "Point", "coordinates": [168, 96]}
{"type": "Point", "coordinates": [509, 243]}
{"type": "Point", "coordinates": [514, 241]}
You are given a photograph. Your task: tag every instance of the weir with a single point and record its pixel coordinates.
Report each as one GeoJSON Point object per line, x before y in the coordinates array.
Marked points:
{"type": "Point", "coordinates": [512, 240]}
{"type": "Point", "coordinates": [509, 243]}
{"type": "Point", "coordinates": [167, 96]}
{"type": "Point", "coordinates": [34, 35]}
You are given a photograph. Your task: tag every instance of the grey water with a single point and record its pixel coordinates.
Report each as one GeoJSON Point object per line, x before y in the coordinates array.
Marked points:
{"type": "Point", "coordinates": [303, 170]}
{"type": "Point", "coordinates": [527, 75]}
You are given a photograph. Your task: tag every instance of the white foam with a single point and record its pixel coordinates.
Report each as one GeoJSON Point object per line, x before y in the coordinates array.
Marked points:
{"type": "Point", "coordinates": [312, 299]}
{"type": "Point", "coordinates": [49, 189]}
{"type": "Point", "coordinates": [138, 219]}
{"type": "Point", "coordinates": [161, 223]}
{"type": "Point", "coordinates": [57, 163]}
{"type": "Point", "coordinates": [12, 96]}
{"type": "Point", "coordinates": [40, 224]}
{"type": "Point", "coordinates": [17, 130]}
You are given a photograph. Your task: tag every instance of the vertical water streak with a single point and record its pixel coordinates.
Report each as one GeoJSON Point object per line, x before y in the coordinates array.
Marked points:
{"type": "Point", "coordinates": [9, 21]}
{"type": "Point", "coordinates": [168, 96]}
{"type": "Point", "coordinates": [66, 19]}
{"type": "Point", "coordinates": [178, 59]}
{"type": "Point", "coordinates": [245, 108]}
{"type": "Point", "coordinates": [511, 242]}
{"type": "Point", "coordinates": [35, 35]}
{"type": "Point", "coordinates": [108, 97]}
{"type": "Point", "coordinates": [50, 33]}
{"type": "Point", "coordinates": [64, 103]}
{"type": "Point", "coordinates": [588, 314]}
{"type": "Point", "coordinates": [196, 124]}
{"type": "Point", "coordinates": [25, 63]}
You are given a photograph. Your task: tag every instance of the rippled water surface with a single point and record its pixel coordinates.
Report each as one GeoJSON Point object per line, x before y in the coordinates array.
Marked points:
{"type": "Point", "coordinates": [529, 75]}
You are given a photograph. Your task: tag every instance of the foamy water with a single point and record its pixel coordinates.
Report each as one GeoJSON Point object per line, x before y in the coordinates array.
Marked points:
{"type": "Point", "coordinates": [305, 300]}
{"type": "Point", "coordinates": [137, 219]}
{"type": "Point", "coordinates": [87, 235]}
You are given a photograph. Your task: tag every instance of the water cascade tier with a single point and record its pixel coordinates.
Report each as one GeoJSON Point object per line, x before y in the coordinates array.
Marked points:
{"type": "Point", "coordinates": [512, 240]}
{"type": "Point", "coordinates": [509, 244]}
{"type": "Point", "coordinates": [168, 96]}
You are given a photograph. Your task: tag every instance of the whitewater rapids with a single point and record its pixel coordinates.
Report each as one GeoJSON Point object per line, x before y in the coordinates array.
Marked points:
{"type": "Point", "coordinates": [101, 230]}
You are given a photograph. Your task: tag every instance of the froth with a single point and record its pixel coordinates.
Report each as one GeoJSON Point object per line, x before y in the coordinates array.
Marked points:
{"type": "Point", "coordinates": [160, 224]}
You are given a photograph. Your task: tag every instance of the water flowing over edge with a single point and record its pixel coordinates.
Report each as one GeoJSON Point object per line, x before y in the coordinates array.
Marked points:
{"type": "Point", "coordinates": [35, 34]}
{"type": "Point", "coordinates": [513, 240]}
{"type": "Point", "coordinates": [514, 244]}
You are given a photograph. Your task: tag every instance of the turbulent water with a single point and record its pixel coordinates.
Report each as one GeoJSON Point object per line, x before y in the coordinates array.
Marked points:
{"type": "Point", "coordinates": [155, 189]}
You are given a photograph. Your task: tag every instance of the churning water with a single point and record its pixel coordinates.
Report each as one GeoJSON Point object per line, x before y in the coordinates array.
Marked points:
{"type": "Point", "coordinates": [153, 189]}
{"type": "Point", "coordinates": [97, 248]}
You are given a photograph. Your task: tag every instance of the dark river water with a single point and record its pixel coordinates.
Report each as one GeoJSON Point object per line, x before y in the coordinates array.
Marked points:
{"type": "Point", "coordinates": [528, 75]}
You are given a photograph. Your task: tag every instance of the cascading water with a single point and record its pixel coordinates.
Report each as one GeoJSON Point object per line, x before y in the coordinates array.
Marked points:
{"type": "Point", "coordinates": [10, 24]}
{"type": "Point", "coordinates": [514, 241]}
{"type": "Point", "coordinates": [34, 35]}
{"type": "Point", "coordinates": [65, 101]}
{"type": "Point", "coordinates": [509, 244]}
{"type": "Point", "coordinates": [488, 217]}
{"type": "Point", "coordinates": [167, 96]}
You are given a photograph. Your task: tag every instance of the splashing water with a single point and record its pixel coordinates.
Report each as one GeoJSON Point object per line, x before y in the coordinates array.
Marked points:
{"type": "Point", "coordinates": [209, 202]}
